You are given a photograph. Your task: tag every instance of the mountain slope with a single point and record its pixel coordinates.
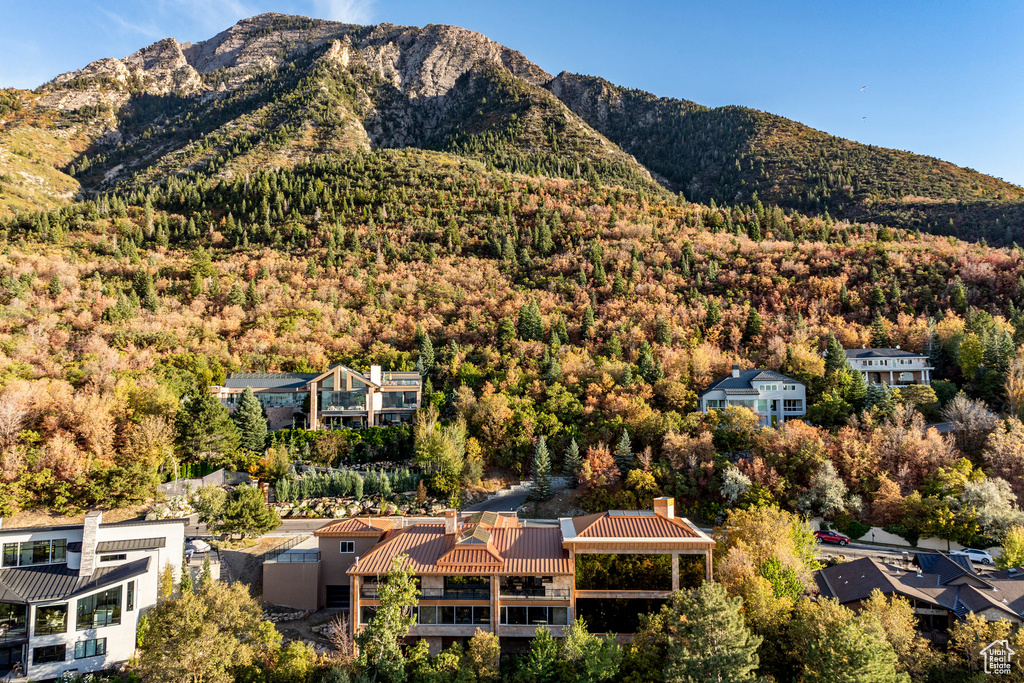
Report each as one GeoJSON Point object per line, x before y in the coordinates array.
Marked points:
{"type": "Point", "coordinates": [728, 153]}
{"type": "Point", "coordinates": [276, 90]}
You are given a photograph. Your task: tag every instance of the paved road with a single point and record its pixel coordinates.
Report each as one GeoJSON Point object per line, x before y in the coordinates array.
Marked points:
{"type": "Point", "coordinates": [289, 527]}
{"type": "Point", "coordinates": [500, 503]}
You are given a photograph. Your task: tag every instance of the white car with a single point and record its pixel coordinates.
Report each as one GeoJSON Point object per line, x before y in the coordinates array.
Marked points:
{"type": "Point", "coordinates": [975, 555]}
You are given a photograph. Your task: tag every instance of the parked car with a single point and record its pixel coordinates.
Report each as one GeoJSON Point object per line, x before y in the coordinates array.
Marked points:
{"type": "Point", "coordinates": [975, 555]}
{"type": "Point", "coordinates": [825, 536]}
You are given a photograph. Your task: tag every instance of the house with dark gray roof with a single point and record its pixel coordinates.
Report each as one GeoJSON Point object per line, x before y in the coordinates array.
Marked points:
{"type": "Point", "coordinates": [337, 398]}
{"type": "Point", "coordinates": [895, 367]}
{"type": "Point", "coordinates": [774, 397]}
{"type": "Point", "coordinates": [941, 588]}
{"type": "Point", "coordinates": [71, 596]}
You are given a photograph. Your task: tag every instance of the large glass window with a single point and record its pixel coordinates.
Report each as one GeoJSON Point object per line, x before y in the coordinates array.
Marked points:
{"type": "Point", "coordinates": [35, 552]}
{"type": "Point", "coordinates": [51, 619]}
{"type": "Point", "coordinates": [102, 609]}
{"type": "Point", "coordinates": [531, 616]}
{"type": "Point", "coordinates": [90, 648]}
{"type": "Point", "coordinates": [793, 404]}
{"type": "Point", "coordinates": [46, 655]}
{"type": "Point", "coordinates": [12, 618]}
{"type": "Point", "coordinates": [366, 613]}
{"type": "Point", "coordinates": [9, 657]}
{"type": "Point", "coordinates": [131, 596]}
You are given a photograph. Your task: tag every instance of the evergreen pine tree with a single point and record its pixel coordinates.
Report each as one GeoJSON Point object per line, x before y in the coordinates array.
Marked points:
{"type": "Point", "coordinates": [752, 328]}
{"type": "Point", "coordinates": [252, 295]}
{"type": "Point", "coordinates": [204, 427]}
{"type": "Point", "coordinates": [572, 463]}
{"type": "Point", "coordinates": [506, 333]}
{"type": "Point", "coordinates": [835, 356]}
{"type": "Point", "coordinates": [958, 297]}
{"type": "Point", "coordinates": [879, 337]}
{"type": "Point", "coordinates": [710, 638]}
{"type": "Point", "coordinates": [426, 354]}
{"type": "Point", "coordinates": [587, 325]}
{"type": "Point", "coordinates": [55, 287]}
{"type": "Point", "coordinates": [251, 422]}
{"type": "Point", "coordinates": [648, 366]}
{"type": "Point", "coordinates": [662, 331]}
{"type": "Point", "coordinates": [624, 457]}
{"type": "Point", "coordinates": [541, 489]}
{"type": "Point", "coordinates": [236, 297]}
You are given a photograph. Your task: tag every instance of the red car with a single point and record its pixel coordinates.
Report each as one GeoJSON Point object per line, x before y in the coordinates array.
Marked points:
{"type": "Point", "coordinates": [831, 537]}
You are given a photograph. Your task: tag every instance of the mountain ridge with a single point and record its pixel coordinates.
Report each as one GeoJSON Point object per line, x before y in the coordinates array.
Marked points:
{"type": "Point", "coordinates": [278, 89]}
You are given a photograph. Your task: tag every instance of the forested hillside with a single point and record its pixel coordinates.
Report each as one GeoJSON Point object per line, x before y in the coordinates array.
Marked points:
{"type": "Point", "coordinates": [729, 153]}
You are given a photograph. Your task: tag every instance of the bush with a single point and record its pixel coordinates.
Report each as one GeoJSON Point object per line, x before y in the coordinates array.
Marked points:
{"type": "Point", "coordinates": [851, 527]}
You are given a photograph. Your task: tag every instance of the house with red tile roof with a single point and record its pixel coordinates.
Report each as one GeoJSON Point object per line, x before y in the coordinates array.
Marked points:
{"type": "Point", "coordinates": [508, 576]}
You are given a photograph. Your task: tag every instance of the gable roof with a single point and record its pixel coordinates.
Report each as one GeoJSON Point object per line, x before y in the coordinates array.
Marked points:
{"type": "Point", "coordinates": [882, 353]}
{"type": "Point", "coordinates": [428, 550]}
{"type": "Point", "coordinates": [356, 526]}
{"type": "Point", "coordinates": [640, 524]}
{"type": "Point", "coordinates": [57, 582]}
{"type": "Point", "coordinates": [742, 384]}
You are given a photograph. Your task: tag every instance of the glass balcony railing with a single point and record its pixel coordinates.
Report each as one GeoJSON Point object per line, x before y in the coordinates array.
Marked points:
{"type": "Point", "coordinates": [538, 593]}
{"type": "Point", "coordinates": [302, 556]}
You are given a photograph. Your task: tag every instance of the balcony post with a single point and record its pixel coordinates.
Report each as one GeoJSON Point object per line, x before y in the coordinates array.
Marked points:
{"type": "Point", "coordinates": [708, 574]}
{"type": "Point", "coordinates": [494, 604]}
{"type": "Point", "coordinates": [675, 572]}
{"type": "Point", "coordinates": [354, 602]}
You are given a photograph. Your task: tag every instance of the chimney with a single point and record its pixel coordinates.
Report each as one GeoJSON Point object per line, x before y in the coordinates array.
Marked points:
{"type": "Point", "coordinates": [90, 531]}
{"type": "Point", "coordinates": [375, 374]}
{"type": "Point", "coordinates": [451, 522]}
{"type": "Point", "coordinates": [665, 507]}
{"type": "Point", "coordinates": [735, 369]}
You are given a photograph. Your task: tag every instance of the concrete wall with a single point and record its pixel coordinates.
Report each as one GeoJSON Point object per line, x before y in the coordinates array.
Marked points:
{"type": "Point", "coordinates": [292, 584]}
{"type": "Point", "coordinates": [878, 535]}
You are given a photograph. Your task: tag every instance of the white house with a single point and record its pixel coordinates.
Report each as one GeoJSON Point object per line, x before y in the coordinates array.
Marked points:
{"type": "Point", "coordinates": [774, 397]}
{"type": "Point", "coordinates": [895, 367]}
{"type": "Point", "coordinates": [71, 596]}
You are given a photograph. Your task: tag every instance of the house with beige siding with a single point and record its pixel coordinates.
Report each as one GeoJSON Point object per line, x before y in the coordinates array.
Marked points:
{"type": "Point", "coordinates": [496, 572]}
{"type": "Point", "coordinates": [339, 398]}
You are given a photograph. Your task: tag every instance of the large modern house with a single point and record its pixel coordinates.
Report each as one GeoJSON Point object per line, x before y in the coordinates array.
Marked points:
{"type": "Point", "coordinates": [895, 367]}
{"type": "Point", "coordinates": [498, 573]}
{"type": "Point", "coordinates": [941, 588]}
{"type": "Point", "coordinates": [335, 399]}
{"type": "Point", "coordinates": [71, 596]}
{"type": "Point", "coordinates": [774, 397]}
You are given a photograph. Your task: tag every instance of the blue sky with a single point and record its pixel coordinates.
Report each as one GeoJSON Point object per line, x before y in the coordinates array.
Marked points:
{"type": "Point", "coordinates": [945, 78]}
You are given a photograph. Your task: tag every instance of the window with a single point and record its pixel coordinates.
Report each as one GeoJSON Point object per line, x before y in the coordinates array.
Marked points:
{"type": "Point", "coordinates": [906, 377]}
{"type": "Point", "coordinates": [793, 404]}
{"type": "Point", "coordinates": [10, 554]}
{"type": "Point", "coordinates": [347, 547]}
{"type": "Point", "coordinates": [9, 656]}
{"type": "Point", "coordinates": [90, 648]}
{"type": "Point", "coordinates": [101, 609]}
{"type": "Point", "coordinates": [12, 619]}
{"type": "Point", "coordinates": [130, 602]}
{"type": "Point", "coordinates": [35, 552]}
{"type": "Point", "coordinates": [762, 405]}
{"type": "Point", "coordinates": [716, 403]}
{"type": "Point", "coordinates": [113, 558]}
{"type": "Point", "coordinates": [527, 616]}
{"type": "Point", "coordinates": [51, 619]}
{"type": "Point", "coordinates": [769, 387]}
{"type": "Point", "coordinates": [45, 655]}
{"type": "Point", "coordinates": [366, 613]}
